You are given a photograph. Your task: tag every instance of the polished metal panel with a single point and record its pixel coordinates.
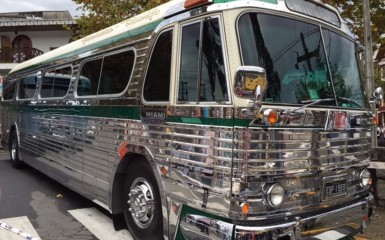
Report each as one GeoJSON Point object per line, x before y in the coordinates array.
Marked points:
{"type": "Point", "coordinates": [201, 227]}
{"type": "Point", "coordinates": [345, 220]}
{"type": "Point", "coordinates": [298, 159]}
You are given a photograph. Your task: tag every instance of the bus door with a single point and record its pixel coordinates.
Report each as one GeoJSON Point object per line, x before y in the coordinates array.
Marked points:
{"type": "Point", "coordinates": [195, 107]}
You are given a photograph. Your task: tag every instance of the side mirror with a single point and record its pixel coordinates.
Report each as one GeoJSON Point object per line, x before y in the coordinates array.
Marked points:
{"type": "Point", "coordinates": [250, 83]}
{"type": "Point", "coordinates": [378, 94]}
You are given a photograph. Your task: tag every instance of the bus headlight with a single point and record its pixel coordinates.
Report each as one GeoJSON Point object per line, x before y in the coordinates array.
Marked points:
{"type": "Point", "coordinates": [365, 178]}
{"type": "Point", "coordinates": [275, 194]}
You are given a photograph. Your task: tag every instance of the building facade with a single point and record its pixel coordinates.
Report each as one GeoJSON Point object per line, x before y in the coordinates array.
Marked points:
{"type": "Point", "coordinates": [25, 35]}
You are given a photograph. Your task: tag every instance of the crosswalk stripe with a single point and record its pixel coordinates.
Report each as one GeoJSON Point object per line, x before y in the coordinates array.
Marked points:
{"type": "Point", "coordinates": [17, 228]}
{"type": "Point", "coordinates": [99, 224]}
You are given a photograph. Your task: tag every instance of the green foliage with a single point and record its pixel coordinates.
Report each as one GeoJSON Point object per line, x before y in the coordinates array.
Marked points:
{"type": "Point", "coordinates": [101, 14]}
{"type": "Point", "coordinates": [351, 12]}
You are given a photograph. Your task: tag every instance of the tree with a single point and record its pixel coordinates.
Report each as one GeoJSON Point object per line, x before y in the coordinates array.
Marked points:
{"type": "Point", "coordinates": [102, 14]}
{"type": "Point", "coordinates": [351, 12]}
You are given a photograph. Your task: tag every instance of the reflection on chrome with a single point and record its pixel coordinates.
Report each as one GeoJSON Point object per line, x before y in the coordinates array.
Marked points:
{"type": "Point", "coordinates": [200, 227]}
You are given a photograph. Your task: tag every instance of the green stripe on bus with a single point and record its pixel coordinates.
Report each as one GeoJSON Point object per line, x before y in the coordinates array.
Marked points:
{"type": "Point", "coordinates": [127, 112]}
{"type": "Point", "coordinates": [226, 122]}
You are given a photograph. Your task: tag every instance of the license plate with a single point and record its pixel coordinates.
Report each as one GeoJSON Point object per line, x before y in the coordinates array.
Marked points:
{"type": "Point", "coordinates": [334, 188]}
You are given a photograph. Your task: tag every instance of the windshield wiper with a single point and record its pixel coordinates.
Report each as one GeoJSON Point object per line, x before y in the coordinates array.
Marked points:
{"type": "Point", "coordinates": [313, 102]}
{"type": "Point", "coordinates": [349, 101]}
{"type": "Point", "coordinates": [289, 114]}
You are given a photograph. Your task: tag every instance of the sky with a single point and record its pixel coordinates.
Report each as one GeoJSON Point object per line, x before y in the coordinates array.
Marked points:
{"type": "Point", "coordinates": [38, 5]}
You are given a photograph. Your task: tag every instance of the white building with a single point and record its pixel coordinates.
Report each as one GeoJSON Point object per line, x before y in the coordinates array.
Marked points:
{"type": "Point", "coordinates": [25, 35]}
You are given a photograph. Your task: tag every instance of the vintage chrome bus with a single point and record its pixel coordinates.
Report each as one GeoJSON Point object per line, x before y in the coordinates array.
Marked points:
{"type": "Point", "coordinates": [205, 119]}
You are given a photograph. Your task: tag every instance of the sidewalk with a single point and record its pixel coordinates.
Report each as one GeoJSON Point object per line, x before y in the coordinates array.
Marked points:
{"type": "Point", "coordinates": [376, 230]}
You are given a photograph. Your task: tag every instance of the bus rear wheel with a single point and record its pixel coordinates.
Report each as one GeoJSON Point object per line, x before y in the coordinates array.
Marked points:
{"type": "Point", "coordinates": [14, 152]}
{"type": "Point", "coordinates": [142, 210]}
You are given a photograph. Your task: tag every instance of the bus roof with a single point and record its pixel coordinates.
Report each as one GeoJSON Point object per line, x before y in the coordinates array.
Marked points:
{"type": "Point", "coordinates": [138, 24]}
{"type": "Point", "coordinates": [144, 22]}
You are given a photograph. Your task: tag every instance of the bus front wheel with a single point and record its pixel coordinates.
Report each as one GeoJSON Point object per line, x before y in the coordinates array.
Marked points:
{"type": "Point", "coordinates": [14, 152]}
{"type": "Point", "coordinates": [142, 210]}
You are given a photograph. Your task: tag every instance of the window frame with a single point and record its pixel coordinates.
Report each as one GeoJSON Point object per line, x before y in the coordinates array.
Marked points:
{"type": "Point", "coordinates": [102, 56]}
{"type": "Point", "coordinates": [11, 81]}
{"type": "Point", "coordinates": [40, 82]}
{"type": "Point", "coordinates": [172, 68]}
{"type": "Point", "coordinates": [37, 87]}
{"type": "Point", "coordinates": [225, 61]}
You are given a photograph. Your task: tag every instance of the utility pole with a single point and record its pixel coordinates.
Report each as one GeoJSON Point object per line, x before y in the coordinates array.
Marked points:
{"type": "Point", "coordinates": [369, 71]}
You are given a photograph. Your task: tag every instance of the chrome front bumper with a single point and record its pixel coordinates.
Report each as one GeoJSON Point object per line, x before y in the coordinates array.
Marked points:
{"type": "Point", "coordinates": [333, 224]}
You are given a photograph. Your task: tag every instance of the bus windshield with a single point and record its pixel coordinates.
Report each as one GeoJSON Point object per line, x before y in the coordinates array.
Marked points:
{"type": "Point", "coordinates": [303, 61]}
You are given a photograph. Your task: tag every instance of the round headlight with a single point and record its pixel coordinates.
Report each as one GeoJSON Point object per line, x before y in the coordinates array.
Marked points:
{"type": "Point", "coordinates": [365, 178]}
{"type": "Point", "coordinates": [275, 194]}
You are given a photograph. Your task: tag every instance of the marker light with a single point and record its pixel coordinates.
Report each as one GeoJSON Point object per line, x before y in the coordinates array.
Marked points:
{"type": "Point", "coordinates": [245, 207]}
{"type": "Point", "coordinates": [270, 116]}
{"type": "Point", "coordinates": [164, 170]}
{"type": "Point", "coordinates": [194, 3]}
{"type": "Point", "coordinates": [365, 178]}
{"type": "Point", "coordinates": [275, 194]}
{"type": "Point", "coordinates": [375, 121]}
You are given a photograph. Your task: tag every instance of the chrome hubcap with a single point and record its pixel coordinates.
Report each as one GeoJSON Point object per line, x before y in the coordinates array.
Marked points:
{"type": "Point", "coordinates": [141, 201]}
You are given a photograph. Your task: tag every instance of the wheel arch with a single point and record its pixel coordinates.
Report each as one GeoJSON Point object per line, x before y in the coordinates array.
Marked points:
{"type": "Point", "coordinates": [121, 171]}
{"type": "Point", "coordinates": [13, 128]}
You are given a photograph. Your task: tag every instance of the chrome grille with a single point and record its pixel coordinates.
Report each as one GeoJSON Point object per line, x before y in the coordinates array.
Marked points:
{"type": "Point", "coordinates": [298, 159]}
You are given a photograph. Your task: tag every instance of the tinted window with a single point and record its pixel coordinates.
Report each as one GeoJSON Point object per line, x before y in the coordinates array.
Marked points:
{"type": "Point", "coordinates": [189, 63]}
{"type": "Point", "coordinates": [213, 85]}
{"type": "Point", "coordinates": [303, 62]}
{"type": "Point", "coordinates": [107, 75]}
{"type": "Point", "coordinates": [292, 54]}
{"type": "Point", "coordinates": [9, 88]}
{"type": "Point", "coordinates": [116, 72]}
{"type": "Point", "coordinates": [91, 71]}
{"type": "Point", "coordinates": [55, 83]}
{"type": "Point", "coordinates": [347, 83]}
{"type": "Point", "coordinates": [27, 87]}
{"type": "Point", "coordinates": [202, 69]}
{"type": "Point", "coordinates": [157, 83]}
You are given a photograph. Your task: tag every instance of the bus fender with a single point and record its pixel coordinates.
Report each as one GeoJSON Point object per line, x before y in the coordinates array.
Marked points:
{"type": "Point", "coordinates": [128, 154]}
{"type": "Point", "coordinates": [14, 128]}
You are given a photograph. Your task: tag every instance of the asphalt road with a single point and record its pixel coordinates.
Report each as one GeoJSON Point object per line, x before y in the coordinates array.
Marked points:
{"type": "Point", "coordinates": [33, 205]}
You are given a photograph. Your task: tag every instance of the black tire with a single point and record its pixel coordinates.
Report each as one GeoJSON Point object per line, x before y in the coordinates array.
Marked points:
{"type": "Point", "coordinates": [140, 187]}
{"type": "Point", "coordinates": [14, 152]}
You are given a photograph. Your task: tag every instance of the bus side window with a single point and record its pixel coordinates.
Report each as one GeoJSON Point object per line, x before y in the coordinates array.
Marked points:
{"type": "Point", "coordinates": [84, 86]}
{"type": "Point", "coordinates": [157, 83]}
{"type": "Point", "coordinates": [56, 83]}
{"type": "Point", "coordinates": [202, 68]}
{"type": "Point", "coordinates": [9, 88]}
{"type": "Point", "coordinates": [27, 87]}
{"type": "Point", "coordinates": [116, 72]}
{"type": "Point", "coordinates": [62, 81]}
{"type": "Point", "coordinates": [91, 71]}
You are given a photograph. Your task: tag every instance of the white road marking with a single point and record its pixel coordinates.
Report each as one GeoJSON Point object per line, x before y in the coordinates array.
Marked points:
{"type": "Point", "coordinates": [18, 223]}
{"type": "Point", "coordinates": [330, 235]}
{"type": "Point", "coordinates": [99, 224]}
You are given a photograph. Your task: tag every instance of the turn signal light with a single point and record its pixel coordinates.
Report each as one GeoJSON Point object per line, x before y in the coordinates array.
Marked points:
{"type": "Point", "coordinates": [270, 116]}
{"type": "Point", "coordinates": [164, 170]}
{"type": "Point", "coordinates": [375, 121]}
{"type": "Point", "coordinates": [245, 207]}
